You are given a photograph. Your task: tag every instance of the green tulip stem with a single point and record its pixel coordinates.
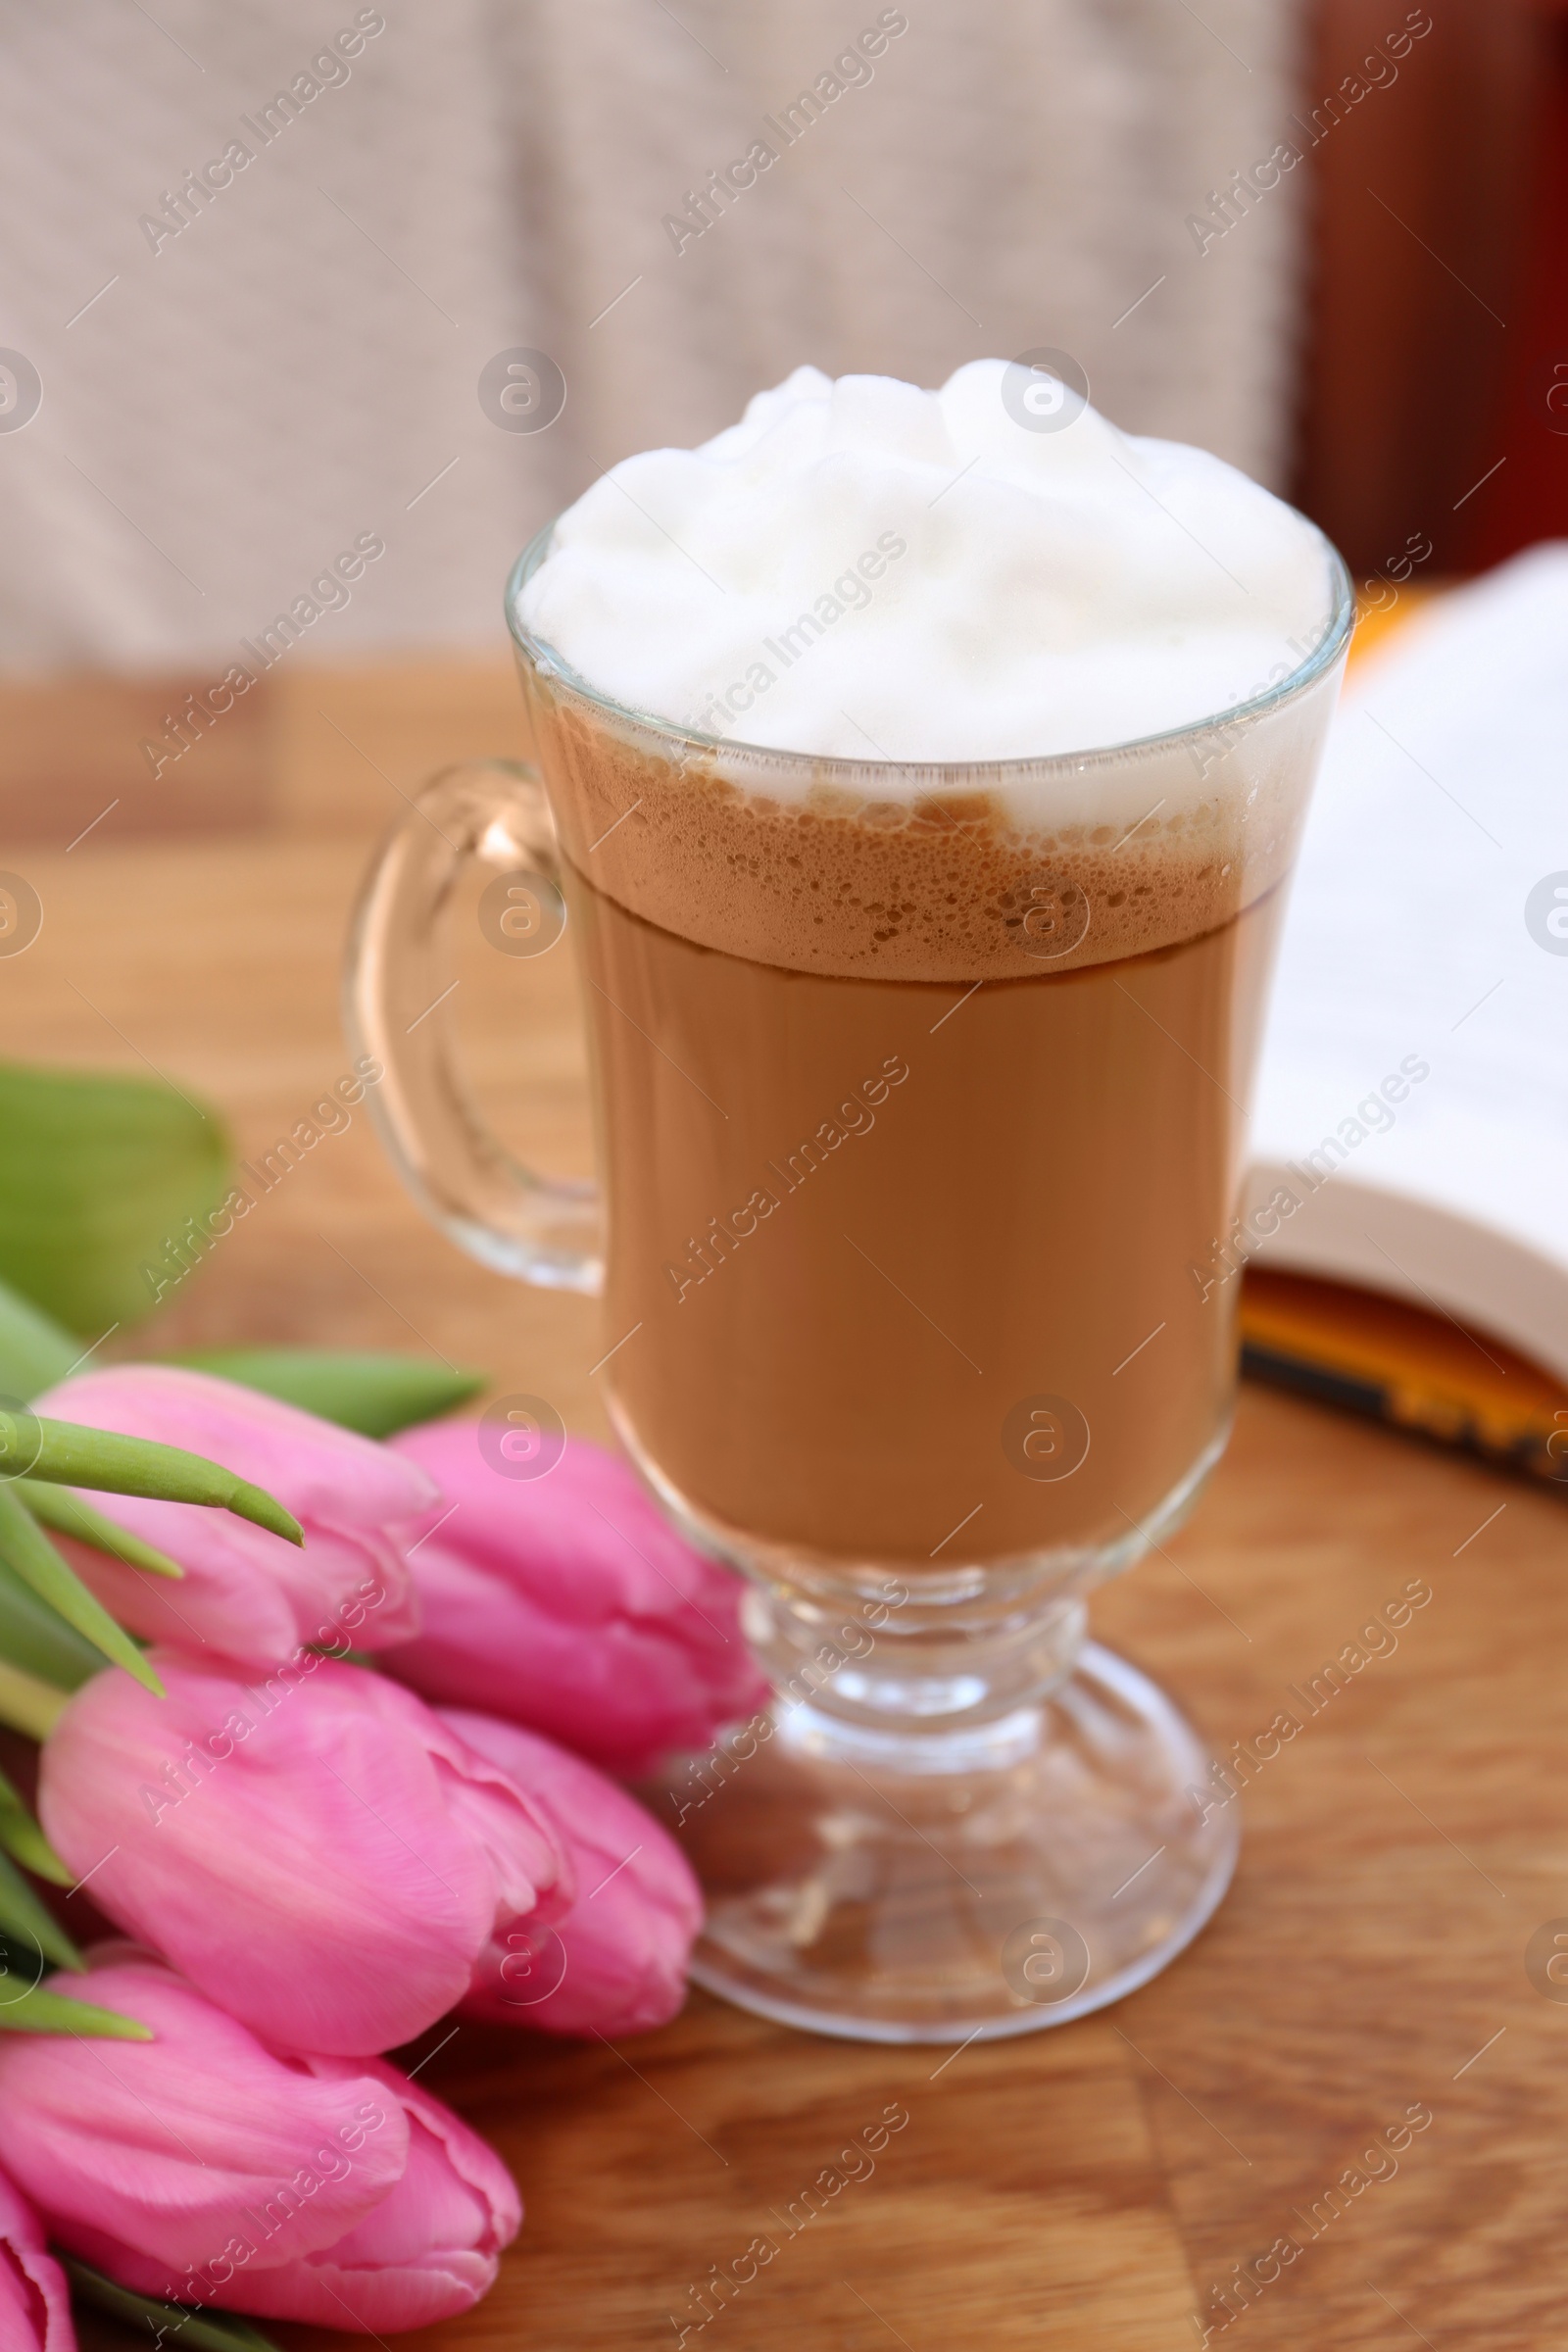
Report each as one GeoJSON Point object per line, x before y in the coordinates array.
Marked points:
{"type": "Point", "coordinates": [28, 1705]}
{"type": "Point", "coordinates": [28, 1554]}
{"type": "Point", "coordinates": [24, 1921]}
{"type": "Point", "coordinates": [177, 2323]}
{"type": "Point", "coordinates": [68, 1455]}
{"type": "Point", "coordinates": [25, 1841]}
{"type": "Point", "coordinates": [39, 2011]}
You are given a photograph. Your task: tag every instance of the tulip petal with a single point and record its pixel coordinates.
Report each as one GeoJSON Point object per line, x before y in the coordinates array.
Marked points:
{"type": "Point", "coordinates": [531, 1881]}
{"type": "Point", "coordinates": [190, 2140]}
{"type": "Point", "coordinates": [231, 1602]}
{"type": "Point", "coordinates": [404, 2226]}
{"type": "Point", "coordinates": [304, 1848]}
{"type": "Point", "coordinates": [628, 1935]}
{"type": "Point", "coordinates": [68, 1514]}
{"type": "Point", "coordinates": [35, 2305]}
{"type": "Point", "coordinates": [426, 2252]}
{"type": "Point", "coordinates": [569, 1603]}
{"type": "Point", "coordinates": [245, 1596]}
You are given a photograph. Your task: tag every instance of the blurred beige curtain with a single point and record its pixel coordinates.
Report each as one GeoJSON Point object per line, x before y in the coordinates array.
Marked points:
{"type": "Point", "coordinates": [260, 259]}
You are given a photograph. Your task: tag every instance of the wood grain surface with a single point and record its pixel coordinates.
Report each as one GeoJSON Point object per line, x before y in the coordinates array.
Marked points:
{"type": "Point", "coordinates": [1084, 2186]}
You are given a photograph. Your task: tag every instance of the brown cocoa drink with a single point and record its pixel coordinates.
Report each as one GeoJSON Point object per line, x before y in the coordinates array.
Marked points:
{"type": "Point", "coordinates": [916, 1132]}
{"type": "Point", "coordinates": [928, 766]}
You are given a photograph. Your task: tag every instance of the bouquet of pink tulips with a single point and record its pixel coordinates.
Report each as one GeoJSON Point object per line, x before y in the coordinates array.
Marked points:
{"type": "Point", "coordinates": [257, 1668]}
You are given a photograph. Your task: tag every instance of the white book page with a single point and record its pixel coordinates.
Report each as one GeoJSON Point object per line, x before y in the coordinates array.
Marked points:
{"type": "Point", "coordinates": [1441, 807]}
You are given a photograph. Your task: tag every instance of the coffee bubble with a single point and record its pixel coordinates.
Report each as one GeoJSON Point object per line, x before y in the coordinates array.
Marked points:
{"type": "Point", "coordinates": [1049, 918]}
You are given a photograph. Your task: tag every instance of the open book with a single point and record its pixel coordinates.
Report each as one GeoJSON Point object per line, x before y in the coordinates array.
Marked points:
{"type": "Point", "coordinates": [1411, 1131]}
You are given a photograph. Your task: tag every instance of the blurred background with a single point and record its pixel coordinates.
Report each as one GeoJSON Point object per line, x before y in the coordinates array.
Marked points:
{"type": "Point", "coordinates": [259, 262]}
{"type": "Point", "coordinates": [313, 315]}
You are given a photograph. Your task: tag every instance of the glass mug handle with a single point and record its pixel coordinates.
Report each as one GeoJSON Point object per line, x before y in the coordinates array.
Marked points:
{"type": "Point", "coordinates": [396, 997]}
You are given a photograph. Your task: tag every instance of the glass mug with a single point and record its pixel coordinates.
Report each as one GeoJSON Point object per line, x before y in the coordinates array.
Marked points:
{"type": "Point", "coordinates": [921, 1103]}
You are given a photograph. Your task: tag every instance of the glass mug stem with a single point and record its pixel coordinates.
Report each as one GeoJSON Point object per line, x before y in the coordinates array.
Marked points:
{"type": "Point", "coordinates": [920, 1099]}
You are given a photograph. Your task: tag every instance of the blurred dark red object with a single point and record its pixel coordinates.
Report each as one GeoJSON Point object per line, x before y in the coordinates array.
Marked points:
{"type": "Point", "coordinates": [1434, 377]}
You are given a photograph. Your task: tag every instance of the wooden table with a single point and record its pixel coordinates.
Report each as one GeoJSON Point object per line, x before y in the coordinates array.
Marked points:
{"type": "Point", "coordinates": [1084, 2186]}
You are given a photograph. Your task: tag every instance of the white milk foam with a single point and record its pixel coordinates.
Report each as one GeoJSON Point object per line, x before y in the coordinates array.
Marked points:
{"type": "Point", "coordinates": [865, 570]}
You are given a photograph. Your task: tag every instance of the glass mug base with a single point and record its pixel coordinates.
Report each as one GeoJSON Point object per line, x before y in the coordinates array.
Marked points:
{"type": "Point", "coordinates": [956, 1818]}
{"type": "Point", "coordinates": [969, 1884]}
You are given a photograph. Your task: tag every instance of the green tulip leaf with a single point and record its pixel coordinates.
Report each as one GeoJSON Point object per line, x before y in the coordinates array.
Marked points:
{"type": "Point", "coordinates": [40, 2011]}
{"type": "Point", "coordinates": [67, 1513]}
{"type": "Point", "coordinates": [26, 1921]}
{"type": "Point", "coordinates": [101, 1177]}
{"type": "Point", "coordinates": [177, 2323]}
{"type": "Point", "coordinates": [25, 1841]}
{"type": "Point", "coordinates": [34, 1352]}
{"type": "Point", "coordinates": [66, 1453]}
{"type": "Point", "coordinates": [28, 1554]}
{"type": "Point", "coordinates": [37, 1637]}
{"type": "Point", "coordinates": [373, 1393]}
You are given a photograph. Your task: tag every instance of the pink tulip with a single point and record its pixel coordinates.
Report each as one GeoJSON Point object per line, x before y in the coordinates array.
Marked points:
{"type": "Point", "coordinates": [247, 1593]}
{"type": "Point", "coordinates": [203, 2169]}
{"type": "Point", "coordinates": [35, 2304]}
{"type": "Point", "coordinates": [318, 1851]}
{"type": "Point", "coordinates": [569, 1603]}
{"type": "Point", "coordinates": [617, 1962]}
